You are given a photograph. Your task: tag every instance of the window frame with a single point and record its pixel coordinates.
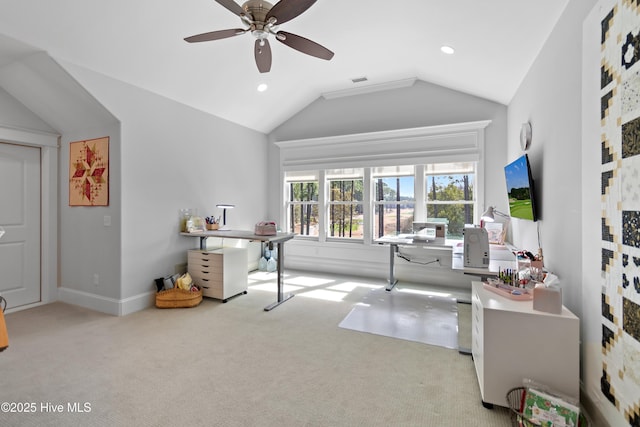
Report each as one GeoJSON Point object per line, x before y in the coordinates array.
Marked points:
{"type": "Point", "coordinates": [388, 173]}
{"type": "Point", "coordinates": [472, 170]}
{"type": "Point", "coordinates": [336, 176]}
{"type": "Point", "coordinates": [304, 177]}
{"type": "Point", "coordinates": [369, 203]}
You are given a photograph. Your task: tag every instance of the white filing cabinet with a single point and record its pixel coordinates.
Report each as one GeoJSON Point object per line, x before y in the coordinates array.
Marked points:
{"type": "Point", "coordinates": [220, 273]}
{"type": "Point", "coordinates": [512, 341]}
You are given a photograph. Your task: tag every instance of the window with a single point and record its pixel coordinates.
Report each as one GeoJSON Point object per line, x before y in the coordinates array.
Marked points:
{"type": "Point", "coordinates": [393, 200]}
{"type": "Point", "coordinates": [341, 204]}
{"type": "Point", "coordinates": [415, 175]}
{"type": "Point", "coordinates": [302, 203]}
{"type": "Point", "coordinates": [450, 195]}
{"type": "Point", "coordinates": [345, 208]}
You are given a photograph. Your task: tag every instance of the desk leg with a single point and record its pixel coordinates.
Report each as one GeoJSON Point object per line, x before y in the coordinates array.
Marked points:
{"type": "Point", "coordinates": [203, 243]}
{"type": "Point", "coordinates": [393, 248]}
{"type": "Point", "coordinates": [281, 298]}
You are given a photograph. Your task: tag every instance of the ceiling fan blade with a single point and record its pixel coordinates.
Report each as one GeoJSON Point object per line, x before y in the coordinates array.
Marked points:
{"type": "Point", "coordinates": [215, 35]}
{"type": "Point", "coordinates": [232, 6]}
{"type": "Point", "coordinates": [286, 10]}
{"type": "Point", "coordinates": [304, 45]}
{"type": "Point", "coordinates": [263, 55]}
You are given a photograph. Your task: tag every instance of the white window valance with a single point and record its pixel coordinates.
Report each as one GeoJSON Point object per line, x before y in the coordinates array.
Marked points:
{"type": "Point", "coordinates": [433, 144]}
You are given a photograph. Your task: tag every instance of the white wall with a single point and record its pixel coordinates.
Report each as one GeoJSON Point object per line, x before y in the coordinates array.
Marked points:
{"type": "Point", "coordinates": [86, 246]}
{"type": "Point", "coordinates": [550, 98]}
{"type": "Point", "coordinates": [44, 98]}
{"type": "Point", "coordinates": [172, 157]}
{"type": "Point", "coordinates": [14, 114]}
{"type": "Point", "coordinates": [563, 159]}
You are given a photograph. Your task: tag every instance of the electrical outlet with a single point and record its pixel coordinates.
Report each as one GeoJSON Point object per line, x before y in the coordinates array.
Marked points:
{"type": "Point", "coordinates": [96, 279]}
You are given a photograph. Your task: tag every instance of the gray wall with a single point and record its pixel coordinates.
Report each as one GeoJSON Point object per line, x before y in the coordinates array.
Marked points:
{"type": "Point", "coordinates": [174, 157]}
{"type": "Point", "coordinates": [164, 156]}
{"type": "Point", "coordinates": [423, 104]}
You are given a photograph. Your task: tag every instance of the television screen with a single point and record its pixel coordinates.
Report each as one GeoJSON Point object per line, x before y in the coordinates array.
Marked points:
{"type": "Point", "coordinates": [520, 189]}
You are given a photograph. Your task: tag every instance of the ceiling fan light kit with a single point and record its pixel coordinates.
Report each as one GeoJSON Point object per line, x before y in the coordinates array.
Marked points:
{"type": "Point", "coordinates": [262, 19]}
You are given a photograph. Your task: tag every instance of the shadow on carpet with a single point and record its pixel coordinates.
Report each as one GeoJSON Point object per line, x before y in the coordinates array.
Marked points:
{"type": "Point", "coordinates": [405, 315]}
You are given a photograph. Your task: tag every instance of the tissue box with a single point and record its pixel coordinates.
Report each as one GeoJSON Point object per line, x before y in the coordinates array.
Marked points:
{"type": "Point", "coordinates": [266, 229]}
{"type": "Point", "coordinates": [547, 299]}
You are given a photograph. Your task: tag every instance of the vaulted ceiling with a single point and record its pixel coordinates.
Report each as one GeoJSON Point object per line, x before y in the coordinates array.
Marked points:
{"type": "Point", "coordinates": [141, 42]}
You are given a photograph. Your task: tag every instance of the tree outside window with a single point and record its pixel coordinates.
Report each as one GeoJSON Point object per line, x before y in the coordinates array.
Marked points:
{"type": "Point", "coordinates": [394, 204]}
{"type": "Point", "coordinates": [303, 208]}
{"type": "Point", "coordinates": [450, 199]}
{"type": "Point", "coordinates": [346, 213]}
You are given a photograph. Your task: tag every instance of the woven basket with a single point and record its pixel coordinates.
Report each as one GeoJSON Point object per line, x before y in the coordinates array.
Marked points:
{"type": "Point", "coordinates": [178, 298]}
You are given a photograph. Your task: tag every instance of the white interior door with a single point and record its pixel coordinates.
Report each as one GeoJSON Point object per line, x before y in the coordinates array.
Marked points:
{"type": "Point", "coordinates": [20, 218]}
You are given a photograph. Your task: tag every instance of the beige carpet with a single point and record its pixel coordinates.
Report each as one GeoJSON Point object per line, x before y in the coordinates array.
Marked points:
{"type": "Point", "coordinates": [234, 364]}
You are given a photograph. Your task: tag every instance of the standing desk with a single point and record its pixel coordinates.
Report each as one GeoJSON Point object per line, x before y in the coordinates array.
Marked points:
{"type": "Point", "coordinates": [278, 239]}
{"type": "Point", "coordinates": [404, 240]}
{"type": "Point", "coordinates": [500, 257]}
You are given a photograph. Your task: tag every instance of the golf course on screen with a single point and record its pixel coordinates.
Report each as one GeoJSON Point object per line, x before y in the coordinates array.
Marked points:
{"type": "Point", "coordinates": [521, 208]}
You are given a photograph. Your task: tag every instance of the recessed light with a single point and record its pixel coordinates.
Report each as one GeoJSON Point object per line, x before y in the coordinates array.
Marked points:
{"type": "Point", "coordinates": [448, 50]}
{"type": "Point", "coordinates": [262, 87]}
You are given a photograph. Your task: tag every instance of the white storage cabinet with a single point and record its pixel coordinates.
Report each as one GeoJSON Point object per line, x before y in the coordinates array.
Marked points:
{"type": "Point", "coordinates": [512, 341]}
{"type": "Point", "coordinates": [220, 273]}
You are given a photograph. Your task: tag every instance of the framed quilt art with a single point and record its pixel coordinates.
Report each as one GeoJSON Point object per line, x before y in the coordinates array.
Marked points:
{"type": "Point", "coordinates": [89, 172]}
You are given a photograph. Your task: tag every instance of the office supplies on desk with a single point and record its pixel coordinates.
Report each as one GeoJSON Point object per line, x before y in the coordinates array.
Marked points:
{"type": "Point", "coordinates": [510, 292]}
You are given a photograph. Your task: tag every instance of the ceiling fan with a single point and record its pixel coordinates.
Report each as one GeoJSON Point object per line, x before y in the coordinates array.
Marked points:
{"type": "Point", "coordinates": [262, 19]}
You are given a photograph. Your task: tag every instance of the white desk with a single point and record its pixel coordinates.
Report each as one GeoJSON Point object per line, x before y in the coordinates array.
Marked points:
{"type": "Point", "coordinates": [500, 257]}
{"type": "Point", "coordinates": [279, 239]}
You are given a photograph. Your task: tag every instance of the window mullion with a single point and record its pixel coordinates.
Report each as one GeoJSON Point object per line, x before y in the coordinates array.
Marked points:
{"type": "Point", "coordinates": [368, 216]}
{"type": "Point", "coordinates": [323, 206]}
{"type": "Point", "coordinates": [420, 212]}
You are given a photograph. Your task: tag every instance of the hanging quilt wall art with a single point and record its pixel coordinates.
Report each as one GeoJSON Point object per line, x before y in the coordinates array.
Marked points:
{"type": "Point", "coordinates": [620, 201]}
{"type": "Point", "coordinates": [89, 172]}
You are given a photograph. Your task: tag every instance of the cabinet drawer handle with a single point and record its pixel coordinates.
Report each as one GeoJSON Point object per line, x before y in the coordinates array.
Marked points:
{"type": "Point", "coordinates": [205, 280]}
{"type": "Point", "coordinates": [205, 272]}
{"type": "Point", "coordinates": [205, 266]}
{"type": "Point", "coordinates": [205, 287]}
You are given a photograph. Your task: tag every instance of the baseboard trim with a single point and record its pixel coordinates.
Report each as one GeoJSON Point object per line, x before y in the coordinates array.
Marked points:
{"type": "Point", "coordinates": [105, 304]}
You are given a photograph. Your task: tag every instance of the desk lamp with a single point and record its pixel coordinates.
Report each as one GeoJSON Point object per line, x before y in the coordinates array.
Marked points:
{"type": "Point", "coordinates": [224, 208]}
{"type": "Point", "coordinates": [489, 214]}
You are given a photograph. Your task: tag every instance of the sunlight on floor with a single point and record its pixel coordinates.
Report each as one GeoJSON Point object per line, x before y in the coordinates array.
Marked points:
{"type": "Point", "coordinates": [428, 293]}
{"type": "Point", "coordinates": [324, 294]}
{"type": "Point", "coordinates": [331, 287]}
{"type": "Point", "coordinates": [350, 286]}
{"type": "Point", "coordinates": [271, 287]}
{"type": "Point", "coordinates": [308, 286]}
{"type": "Point", "coordinates": [307, 281]}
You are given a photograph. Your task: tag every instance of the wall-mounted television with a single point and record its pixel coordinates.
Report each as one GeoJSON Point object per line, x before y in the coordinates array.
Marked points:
{"type": "Point", "coordinates": [520, 189]}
